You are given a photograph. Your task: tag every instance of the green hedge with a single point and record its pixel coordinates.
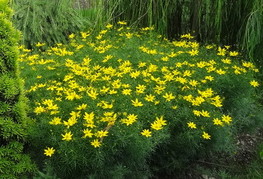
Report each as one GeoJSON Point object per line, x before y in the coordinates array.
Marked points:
{"type": "Point", "coordinates": [13, 125]}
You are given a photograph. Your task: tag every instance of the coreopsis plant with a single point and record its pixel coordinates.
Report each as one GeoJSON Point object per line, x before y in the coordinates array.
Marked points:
{"type": "Point", "coordinates": [106, 101]}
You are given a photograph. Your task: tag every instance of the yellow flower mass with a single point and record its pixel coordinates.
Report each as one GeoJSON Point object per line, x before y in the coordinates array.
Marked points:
{"type": "Point", "coordinates": [103, 85]}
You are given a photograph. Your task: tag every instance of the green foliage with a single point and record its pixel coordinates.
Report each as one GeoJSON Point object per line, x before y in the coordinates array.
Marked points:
{"type": "Point", "coordinates": [13, 122]}
{"type": "Point", "coordinates": [119, 102]}
{"type": "Point", "coordinates": [47, 22]}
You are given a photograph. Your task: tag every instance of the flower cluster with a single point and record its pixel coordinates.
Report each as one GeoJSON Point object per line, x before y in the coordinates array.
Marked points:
{"type": "Point", "coordinates": [120, 77]}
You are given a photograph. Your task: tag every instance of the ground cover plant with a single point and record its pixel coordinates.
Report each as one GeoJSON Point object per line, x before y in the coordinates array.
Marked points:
{"type": "Point", "coordinates": [120, 102]}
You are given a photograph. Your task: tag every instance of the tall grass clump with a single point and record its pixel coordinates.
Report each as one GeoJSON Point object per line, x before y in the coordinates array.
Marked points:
{"type": "Point", "coordinates": [47, 21]}
{"type": "Point", "coordinates": [119, 103]}
{"type": "Point", "coordinates": [235, 22]}
{"type": "Point", "coordinates": [13, 120]}
{"type": "Point", "coordinates": [253, 35]}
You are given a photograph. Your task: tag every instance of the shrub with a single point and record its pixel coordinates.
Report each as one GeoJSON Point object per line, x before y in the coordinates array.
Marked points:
{"type": "Point", "coordinates": [13, 121]}
{"type": "Point", "coordinates": [48, 21]}
{"type": "Point", "coordinates": [122, 103]}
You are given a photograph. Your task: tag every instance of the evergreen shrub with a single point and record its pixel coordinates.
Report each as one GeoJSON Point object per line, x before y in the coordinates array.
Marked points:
{"type": "Point", "coordinates": [121, 103]}
{"type": "Point", "coordinates": [13, 121]}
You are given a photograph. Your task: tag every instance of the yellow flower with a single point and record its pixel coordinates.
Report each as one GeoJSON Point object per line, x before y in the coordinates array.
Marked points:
{"type": "Point", "coordinates": [67, 136]}
{"type": "Point", "coordinates": [227, 119]}
{"type": "Point", "coordinates": [96, 143]}
{"type": "Point", "coordinates": [220, 72]}
{"type": "Point", "coordinates": [187, 36]}
{"type": "Point", "coordinates": [39, 110]}
{"type": "Point", "coordinates": [87, 133]}
{"type": "Point", "coordinates": [254, 83]}
{"type": "Point", "coordinates": [99, 37]}
{"type": "Point", "coordinates": [191, 125]}
{"type": "Point", "coordinates": [210, 78]}
{"type": "Point", "coordinates": [159, 89]}
{"type": "Point", "coordinates": [218, 122]}
{"type": "Point", "coordinates": [55, 121]}
{"type": "Point", "coordinates": [206, 135]}
{"type": "Point", "coordinates": [71, 36]}
{"type": "Point", "coordinates": [131, 118]}
{"type": "Point", "coordinates": [197, 101]}
{"type": "Point", "coordinates": [129, 35]}
{"type": "Point", "coordinates": [193, 83]}
{"type": "Point", "coordinates": [126, 91]}
{"type": "Point", "coordinates": [169, 96]}
{"type": "Point", "coordinates": [158, 123]}
{"type": "Point", "coordinates": [102, 133]}
{"type": "Point", "coordinates": [205, 113]}
{"type": "Point", "coordinates": [174, 107]}
{"type": "Point", "coordinates": [93, 94]}
{"type": "Point", "coordinates": [156, 126]}
{"type": "Point", "coordinates": [149, 98]}
{"type": "Point", "coordinates": [206, 93]}
{"type": "Point", "coordinates": [233, 53]}
{"type": "Point", "coordinates": [136, 103]}
{"type": "Point", "coordinates": [140, 88]}
{"type": "Point", "coordinates": [109, 26]}
{"type": "Point", "coordinates": [227, 61]}
{"type": "Point", "coordinates": [135, 74]}
{"type": "Point", "coordinates": [122, 23]}
{"type": "Point", "coordinates": [146, 133]}
{"type": "Point", "coordinates": [40, 44]}
{"type": "Point", "coordinates": [197, 113]}
{"type": "Point", "coordinates": [49, 151]}
{"type": "Point", "coordinates": [81, 107]}
{"type": "Point", "coordinates": [221, 51]}
{"type": "Point", "coordinates": [84, 35]}
{"type": "Point", "coordinates": [71, 121]}
{"type": "Point", "coordinates": [141, 64]}
{"type": "Point", "coordinates": [193, 52]}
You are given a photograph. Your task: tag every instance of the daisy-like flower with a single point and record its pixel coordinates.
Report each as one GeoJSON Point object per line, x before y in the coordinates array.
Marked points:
{"type": "Point", "coordinates": [67, 136]}
{"type": "Point", "coordinates": [254, 83]}
{"type": "Point", "coordinates": [191, 125]}
{"type": "Point", "coordinates": [96, 143]}
{"type": "Point", "coordinates": [136, 103]}
{"type": "Point", "coordinates": [206, 135]}
{"type": "Point", "coordinates": [146, 133]}
{"type": "Point", "coordinates": [49, 151]}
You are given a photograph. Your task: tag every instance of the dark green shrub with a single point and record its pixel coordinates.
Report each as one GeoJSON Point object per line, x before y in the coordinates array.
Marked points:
{"type": "Point", "coordinates": [13, 121]}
